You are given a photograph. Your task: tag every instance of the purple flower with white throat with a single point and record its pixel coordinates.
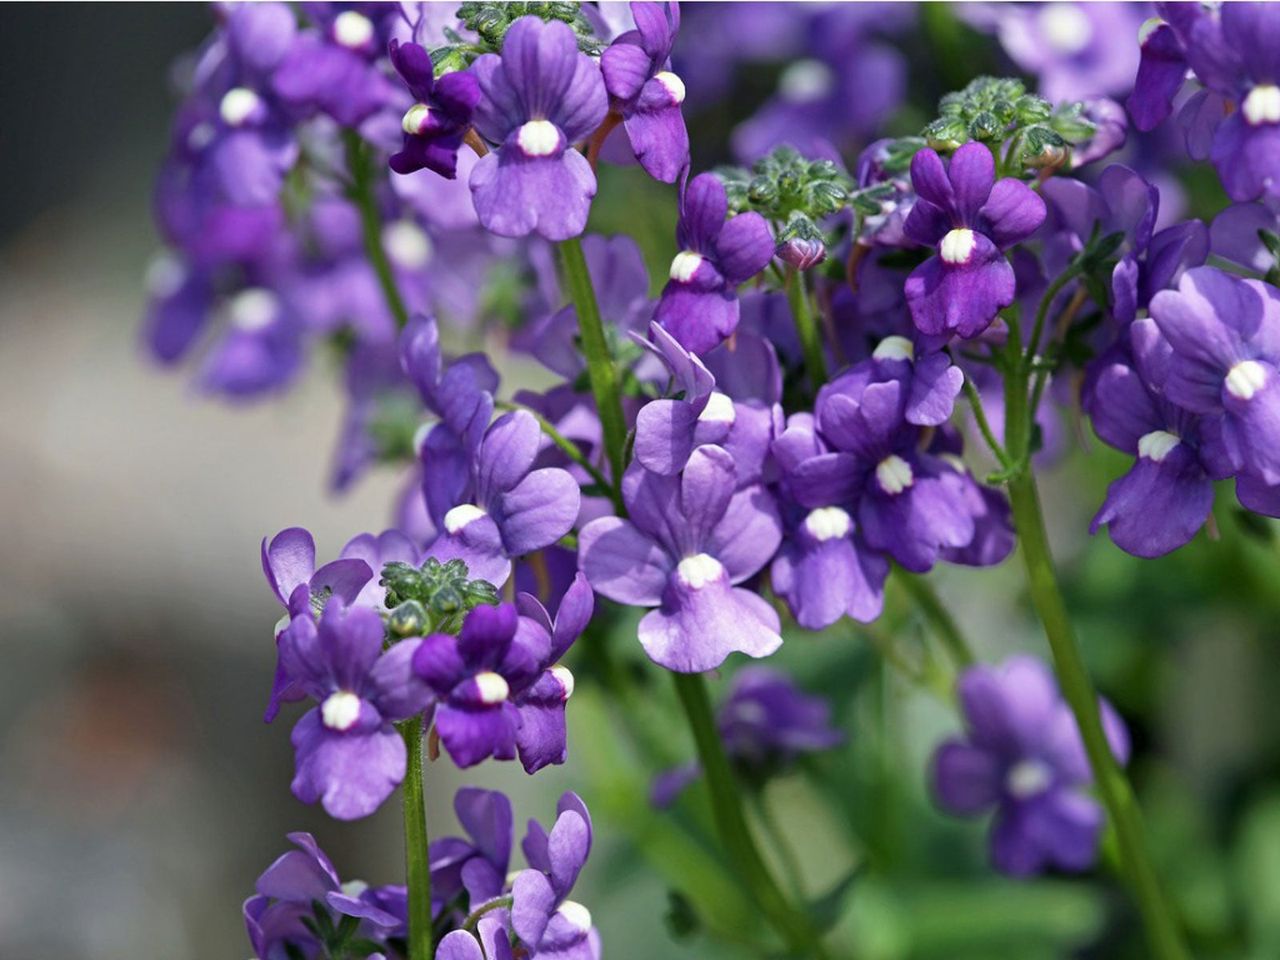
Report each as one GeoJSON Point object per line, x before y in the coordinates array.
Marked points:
{"type": "Point", "coordinates": [500, 687]}
{"type": "Point", "coordinates": [971, 219]}
{"type": "Point", "coordinates": [546, 921]}
{"type": "Point", "coordinates": [440, 116]}
{"type": "Point", "coordinates": [350, 757]}
{"type": "Point", "coordinates": [537, 99]}
{"type": "Point", "coordinates": [505, 508]}
{"type": "Point", "coordinates": [699, 304]}
{"type": "Point", "coordinates": [1225, 335]}
{"type": "Point", "coordinates": [690, 540]}
{"type": "Point", "coordinates": [1023, 756]}
{"type": "Point", "coordinates": [637, 74]}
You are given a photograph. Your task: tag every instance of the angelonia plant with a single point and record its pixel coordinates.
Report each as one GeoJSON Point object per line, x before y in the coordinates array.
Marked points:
{"type": "Point", "coordinates": [849, 375]}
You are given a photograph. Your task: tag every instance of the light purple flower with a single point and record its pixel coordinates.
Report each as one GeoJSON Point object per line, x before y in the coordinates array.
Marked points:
{"type": "Point", "coordinates": [1022, 755]}
{"type": "Point", "coordinates": [440, 116]}
{"type": "Point", "coordinates": [1236, 235]}
{"type": "Point", "coordinates": [699, 304]}
{"type": "Point", "coordinates": [972, 220]}
{"type": "Point", "coordinates": [477, 865]}
{"type": "Point", "coordinates": [537, 99]}
{"type": "Point", "coordinates": [1225, 335]}
{"type": "Point", "coordinates": [637, 74]}
{"type": "Point", "coordinates": [689, 541]}
{"type": "Point", "coordinates": [349, 755]}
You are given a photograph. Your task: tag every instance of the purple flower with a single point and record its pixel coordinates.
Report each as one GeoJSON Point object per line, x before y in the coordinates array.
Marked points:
{"type": "Point", "coordinates": [1162, 67]}
{"type": "Point", "coordinates": [1235, 235]}
{"type": "Point", "coordinates": [1022, 754]}
{"type": "Point", "coordinates": [476, 866]}
{"type": "Point", "coordinates": [699, 304]}
{"type": "Point", "coordinates": [440, 116]}
{"type": "Point", "coordinates": [1225, 335]}
{"type": "Point", "coordinates": [500, 507]}
{"type": "Point", "coordinates": [689, 541]}
{"type": "Point", "coordinates": [288, 892]}
{"type": "Point", "coordinates": [972, 220]}
{"type": "Point", "coordinates": [637, 74]}
{"type": "Point", "coordinates": [491, 941]}
{"type": "Point", "coordinates": [537, 99]}
{"type": "Point", "coordinates": [500, 688]}
{"type": "Point", "coordinates": [542, 916]}
{"type": "Point", "coordinates": [332, 69]}
{"type": "Point", "coordinates": [349, 756]}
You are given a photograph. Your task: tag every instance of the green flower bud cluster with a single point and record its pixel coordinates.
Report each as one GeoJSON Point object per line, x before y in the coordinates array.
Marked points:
{"type": "Point", "coordinates": [435, 596]}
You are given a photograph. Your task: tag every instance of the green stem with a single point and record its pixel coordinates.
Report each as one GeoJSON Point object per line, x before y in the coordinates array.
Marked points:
{"type": "Point", "coordinates": [810, 339]}
{"type": "Point", "coordinates": [778, 840]}
{"type": "Point", "coordinates": [984, 426]}
{"type": "Point", "coordinates": [731, 822]}
{"type": "Point", "coordinates": [1046, 595]}
{"type": "Point", "coordinates": [362, 193]}
{"type": "Point", "coordinates": [474, 918]}
{"type": "Point", "coordinates": [417, 865]}
{"type": "Point", "coordinates": [600, 369]}
{"type": "Point", "coordinates": [939, 618]}
{"type": "Point", "coordinates": [1033, 345]}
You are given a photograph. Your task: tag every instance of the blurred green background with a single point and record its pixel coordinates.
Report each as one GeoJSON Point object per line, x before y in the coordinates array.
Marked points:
{"type": "Point", "coordinates": [140, 794]}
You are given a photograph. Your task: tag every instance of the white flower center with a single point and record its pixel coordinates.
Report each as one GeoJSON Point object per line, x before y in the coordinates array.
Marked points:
{"type": "Point", "coordinates": [699, 570]}
{"type": "Point", "coordinates": [1066, 27]}
{"type": "Point", "coordinates": [462, 515]}
{"type": "Point", "coordinates": [894, 474]}
{"type": "Point", "coordinates": [353, 30]}
{"type": "Point", "coordinates": [340, 710]}
{"type": "Point", "coordinates": [565, 679]}
{"type": "Point", "coordinates": [685, 265]}
{"type": "Point", "coordinates": [576, 915]}
{"type": "Point", "coordinates": [1157, 444]}
{"type": "Point", "coordinates": [354, 888]}
{"type": "Point", "coordinates": [1148, 27]}
{"type": "Point", "coordinates": [1245, 379]}
{"type": "Point", "coordinates": [1028, 778]}
{"type": "Point", "coordinates": [253, 309]}
{"type": "Point", "coordinates": [415, 118]}
{"type": "Point", "coordinates": [672, 84]}
{"type": "Point", "coordinates": [806, 80]}
{"type": "Point", "coordinates": [407, 244]}
{"type": "Point", "coordinates": [420, 437]}
{"type": "Point", "coordinates": [538, 138]}
{"type": "Point", "coordinates": [719, 409]}
{"type": "Point", "coordinates": [493, 689]}
{"type": "Point", "coordinates": [957, 245]}
{"type": "Point", "coordinates": [895, 348]}
{"type": "Point", "coordinates": [238, 104]}
{"type": "Point", "coordinates": [1262, 105]}
{"type": "Point", "coordinates": [200, 136]}
{"type": "Point", "coordinates": [165, 276]}
{"type": "Point", "coordinates": [828, 523]}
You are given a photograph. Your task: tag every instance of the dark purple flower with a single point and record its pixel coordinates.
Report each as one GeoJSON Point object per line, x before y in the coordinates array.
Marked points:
{"type": "Point", "coordinates": [1225, 335]}
{"type": "Point", "coordinates": [1236, 235]}
{"type": "Point", "coordinates": [637, 74]}
{"type": "Point", "coordinates": [349, 755]}
{"type": "Point", "coordinates": [972, 220]}
{"type": "Point", "coordinates": [545, 920]}
{"type": "Point", "coordinates": [501, 506]}
{"type": "Point", "coordinates": [288, 893]}
{"type": "Point", "coordinates": [491, 941]}
{"type": "Point", "coordinates": [699, 304]}
{"type": "Point", "coordinates": [440, 116]}
{"type": "Point", "coordinates": [500, 687]}
{"type": "Point", "coordinates": [689, 541]}
{"type": "Point", "coordinates": [1022, 754]}
{"type": "Point", "coordinates": [537, 99]}
{"type": "Point", "coordinates": [1162, 67]}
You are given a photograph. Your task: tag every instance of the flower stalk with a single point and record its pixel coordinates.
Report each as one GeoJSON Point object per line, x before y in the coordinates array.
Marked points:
{"type": "Point", "coordinates": [363, 195]}
{"type": "Point", "coordinates": [417, 861]}
{"type": "Point", "coordinates": [810, 338]}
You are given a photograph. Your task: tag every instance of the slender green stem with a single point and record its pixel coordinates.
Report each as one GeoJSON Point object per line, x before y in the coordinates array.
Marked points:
{"type": "Point", "coordinates": [939, 618]}
{"type": "Point", "coordinates": [984, 426]}
{"type": "Point", "coordinates": [567, 446]}
{"type": "Point", "coordinates": [600, 369]}
{"type": "Point", "coordinates": [726, 805]}
{"type": "Point", "coordinates": [778, 841]}
{"type": "Point", "coordinates": [1042, 312]}
{"type": "Point", "coordinates": [475, 916]}
{"type": "Point", "coordinates": [1046, 595]}
{"type": "Point", "coordinates": [810, 338]}
{"type": "Point", "coordinates": [418, 868]}
{"type": "Point", "coordinates": [363, 184]}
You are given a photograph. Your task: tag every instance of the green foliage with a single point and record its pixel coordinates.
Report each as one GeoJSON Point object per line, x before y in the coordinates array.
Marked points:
{"type": "Point", "coordinates": [442, 590]}
{"type": "Point", "coordinates": [490, 22]}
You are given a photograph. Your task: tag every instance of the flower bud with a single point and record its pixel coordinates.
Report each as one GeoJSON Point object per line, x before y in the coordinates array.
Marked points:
{"type": "Point", "coordinates": [408, 620]}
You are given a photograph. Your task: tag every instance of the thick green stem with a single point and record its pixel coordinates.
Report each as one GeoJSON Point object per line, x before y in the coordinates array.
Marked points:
{"type": "Point", "coordinates": [417, 865]}
{"type": "Point", "coordinates": [731, 822]}
{"type": "Point", "coordinates": [362, 193]}
{"type": "Point", "coordinates": [815, 361]}
{"type": "Point", "coordinates": [1117, 794]}
{"type": "Point", "coordinates": [600, 369]}
{"type": "Point", "coordinates": [939, 618]}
